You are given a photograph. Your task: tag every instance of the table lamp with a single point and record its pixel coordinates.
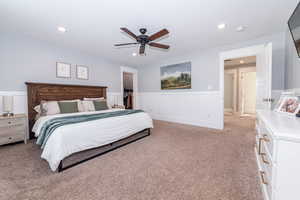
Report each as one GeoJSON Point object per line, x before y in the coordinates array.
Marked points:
{"type": "Point", "coordinates": [8, 105]}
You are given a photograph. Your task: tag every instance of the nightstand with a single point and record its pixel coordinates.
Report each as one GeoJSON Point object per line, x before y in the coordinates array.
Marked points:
{"type": "Point", "coordinates": [13, 129]}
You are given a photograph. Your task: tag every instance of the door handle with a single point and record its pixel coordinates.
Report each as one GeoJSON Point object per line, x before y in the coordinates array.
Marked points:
{"type": "Point", "coordinates": [268, 100]}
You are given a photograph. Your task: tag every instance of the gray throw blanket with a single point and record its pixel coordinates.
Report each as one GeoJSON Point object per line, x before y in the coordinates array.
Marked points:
{"type": "Point", "coordinates": [51, 125]}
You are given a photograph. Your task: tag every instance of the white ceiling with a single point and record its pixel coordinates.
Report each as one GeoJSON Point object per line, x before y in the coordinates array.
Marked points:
{"type": "Point", "coordinates": [93, 25]}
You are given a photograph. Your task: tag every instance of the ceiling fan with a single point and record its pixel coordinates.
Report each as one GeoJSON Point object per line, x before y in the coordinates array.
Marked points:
{"type": "Point", "coordinates": [143, 39]}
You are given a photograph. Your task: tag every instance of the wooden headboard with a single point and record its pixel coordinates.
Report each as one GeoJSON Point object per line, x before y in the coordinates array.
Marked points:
{"type": "Point", "coordinates": [36, 92]}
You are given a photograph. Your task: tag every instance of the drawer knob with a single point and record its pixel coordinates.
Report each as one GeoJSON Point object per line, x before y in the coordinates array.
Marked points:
{"type": "Point", "coordinates": [9, 122]}
{"type": "Point", "coordinates": [9, 138]}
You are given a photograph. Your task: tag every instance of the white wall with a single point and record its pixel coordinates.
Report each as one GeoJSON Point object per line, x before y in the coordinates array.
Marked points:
{"type": "Point", "coordinates": [200, 105]}
{"type": "Point", "coordinates": [23, 58]}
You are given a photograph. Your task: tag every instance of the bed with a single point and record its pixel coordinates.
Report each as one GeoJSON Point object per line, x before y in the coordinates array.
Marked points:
{"type": "Point", "coordinates": [118, 128]}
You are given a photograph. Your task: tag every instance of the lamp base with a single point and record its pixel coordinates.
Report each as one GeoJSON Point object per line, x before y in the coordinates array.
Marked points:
{"type": "Point", "coordinates": [8, 114]}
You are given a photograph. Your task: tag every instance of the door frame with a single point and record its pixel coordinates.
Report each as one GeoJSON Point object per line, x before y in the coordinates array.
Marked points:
{"type": "Point", "coordinates": [135, 85]}
{"type": "Point", "coordinates": [237, 53]}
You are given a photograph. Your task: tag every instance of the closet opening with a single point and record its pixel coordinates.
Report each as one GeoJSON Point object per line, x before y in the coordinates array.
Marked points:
{"type": "Point", "coordinates": [128, 90]}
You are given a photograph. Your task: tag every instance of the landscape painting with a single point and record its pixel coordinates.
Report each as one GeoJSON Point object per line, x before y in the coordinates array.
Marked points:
{"type": "Point", "coordinates": [176, 76]}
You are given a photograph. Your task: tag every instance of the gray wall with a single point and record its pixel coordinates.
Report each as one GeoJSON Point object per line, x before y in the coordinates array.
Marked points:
{"type": "Point", "coordinates": [292, 64]}
{"type": "Point", "coordinates": [205, 66]}
{"type": "Point", "coordinates": [25, 59]}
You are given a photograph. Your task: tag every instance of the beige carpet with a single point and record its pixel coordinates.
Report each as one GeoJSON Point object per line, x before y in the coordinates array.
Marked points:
{"type": "Point", "coordinates": [176, 162]}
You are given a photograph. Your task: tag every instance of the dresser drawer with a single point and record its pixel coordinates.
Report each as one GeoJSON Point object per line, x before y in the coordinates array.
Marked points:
{"type": "Point", "coordinates": [12, 122]}
{"type": "Point", "coordinates": [266, 184]}
{"type": "Point", "coordinates": [11, 138]}
{"type": "Point", "coordinates": [266, 162]}
{"type": "Point", "coordinates": [265, 136]}
{"type": "Point", "coordinates": [268, 141]}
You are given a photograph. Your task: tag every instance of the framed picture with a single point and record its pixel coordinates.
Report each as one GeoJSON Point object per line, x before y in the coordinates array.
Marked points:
{"type": "Point", "coordinates": [176, 76]}
{"type": "Point", "coordinates": [282, 97]}
{"type": "Point", "coordinates": [289, 105]}
{"type": "Point", "coordinates": [63, 70]}
{"type": "Point", "coordinates": [82, 72]}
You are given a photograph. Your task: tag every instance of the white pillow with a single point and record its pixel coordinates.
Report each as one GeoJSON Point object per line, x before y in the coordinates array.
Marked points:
{"type": "Point", "coordinates": [88, 106]}
{"type": "Point", "coordinates": [93, 99]}
{"type": "Point", "coordinates": [38, 109]}
{"type": "Point", "coordinates": [79, 104]}
{"type": "Point", "coordinates": [49, 108]}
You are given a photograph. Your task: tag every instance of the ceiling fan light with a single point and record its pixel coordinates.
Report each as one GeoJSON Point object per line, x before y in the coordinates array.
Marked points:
{"type": "Point", "coordinates": [221, 26]}
{"type": "Point", "coordinates": [61, 29]}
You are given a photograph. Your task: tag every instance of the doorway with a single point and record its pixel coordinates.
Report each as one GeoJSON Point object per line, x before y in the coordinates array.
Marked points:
{"type": "Point", "coordinates": [240, 86]}
{"type": "Point", "coordinates": [128, 90]}
{"type": "Point", "coordinates": [129, 87]}
{"type": "Point", "coordinates": [263, 76]}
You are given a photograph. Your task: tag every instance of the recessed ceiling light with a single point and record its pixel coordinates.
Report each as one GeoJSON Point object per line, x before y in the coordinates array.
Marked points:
{"type": "Point", "coordinates": [134, 54]}
{"type": "Point", "coordinates": [240, 28]}
{"type": "Point", "coordinates": [61, 29]}
{"type": "Point", "coordinates": [221, 26]}
{"type": "Point", "coordinates": [242, 62]}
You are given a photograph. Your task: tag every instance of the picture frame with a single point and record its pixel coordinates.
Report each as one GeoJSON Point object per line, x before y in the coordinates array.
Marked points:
{"type": "Point", "coordinates": [282, 97]}
{"type": "Point", "coordinates": [82, 72]}
{"type": "Point", "coordinates": [63, 70]}
{"type": "Point", "coordinates": [289, 105]}
{"type": "Point", "coordinates": [176, 76]}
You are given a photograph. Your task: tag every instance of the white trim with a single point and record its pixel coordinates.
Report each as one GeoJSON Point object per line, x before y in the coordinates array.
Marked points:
{"type": "Point", "coordinates": [213, 92]}
{"type": "Point", "coordinates": [236, 53]}
{"type": "Point", "coordinates": [135, 85]}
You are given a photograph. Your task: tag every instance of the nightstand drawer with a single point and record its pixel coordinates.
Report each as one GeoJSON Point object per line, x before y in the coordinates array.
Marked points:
{"type": "Point", "coordinates": [11, 138]}
{"type": "Point", "coordinates": [12, 122]}
{"type": "Point", "coordinates": [12, 130]}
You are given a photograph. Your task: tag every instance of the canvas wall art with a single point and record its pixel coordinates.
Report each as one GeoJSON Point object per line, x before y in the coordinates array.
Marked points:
{"type": "Point", "coordinates": [177, 76]}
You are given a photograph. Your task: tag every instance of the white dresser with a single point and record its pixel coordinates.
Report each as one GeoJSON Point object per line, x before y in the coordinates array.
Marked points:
{"type": "Point", "coordinates": [13, 129]}
{"type": "Point", "coordinates": [278, 155]}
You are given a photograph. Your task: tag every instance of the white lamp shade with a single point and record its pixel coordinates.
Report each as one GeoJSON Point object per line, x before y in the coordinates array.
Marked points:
{"type": "Point", "coordinates": [8, 104]}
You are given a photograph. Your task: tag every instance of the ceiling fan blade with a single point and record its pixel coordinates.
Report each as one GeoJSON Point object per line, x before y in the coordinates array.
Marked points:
{"type": "Point", "coordinates": [129, 32]}
{"type": "Point", "coordinates": [158, 34]}
{"type": "Point", "coordinates": [142, 49]}
{"type": "Point", "coordinates": [158, 45]}
{"type": "Point", "coordinates": [118, 45]}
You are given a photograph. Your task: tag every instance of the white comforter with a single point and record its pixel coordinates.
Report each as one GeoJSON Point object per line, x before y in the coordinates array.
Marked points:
{"type": "Point", "coordinates": [73, 138]}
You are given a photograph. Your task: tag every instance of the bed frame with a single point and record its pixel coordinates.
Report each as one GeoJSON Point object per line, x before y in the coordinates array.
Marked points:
{"type": "Point", "coordinates": [36, 92]}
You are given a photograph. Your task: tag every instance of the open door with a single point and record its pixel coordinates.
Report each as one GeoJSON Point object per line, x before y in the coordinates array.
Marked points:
{"type": "Point", "coordinates": [264, 78]}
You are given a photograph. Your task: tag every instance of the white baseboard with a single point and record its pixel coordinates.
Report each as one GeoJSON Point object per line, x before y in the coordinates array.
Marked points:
{"type": "Point", "coordinates": [194, 108]}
